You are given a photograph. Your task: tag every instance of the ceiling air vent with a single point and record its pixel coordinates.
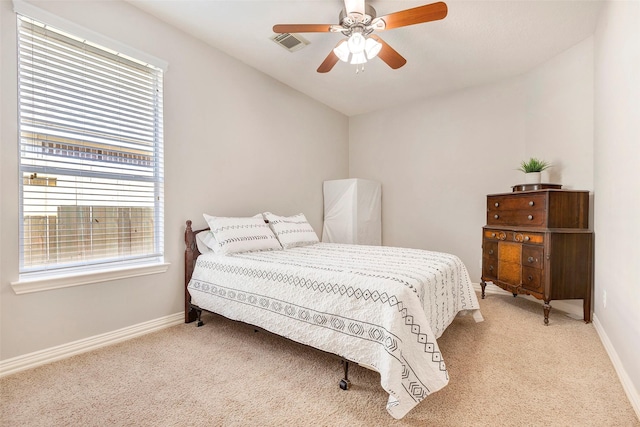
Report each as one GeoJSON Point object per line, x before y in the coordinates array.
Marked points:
{"type": "Point", "coordinates": [291, 42]}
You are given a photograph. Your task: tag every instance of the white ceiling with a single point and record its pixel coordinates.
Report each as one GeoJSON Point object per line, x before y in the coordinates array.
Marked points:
{"type": "Point", "coordinates": [478, 42]}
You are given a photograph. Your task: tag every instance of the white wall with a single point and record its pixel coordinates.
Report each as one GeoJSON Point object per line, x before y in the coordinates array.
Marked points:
{"type": "Point", "coordinates": [559, 116]}
{"type": "Point", "coordinates": [230, 149]}
{"type": "Point", "coordinates": [437, 159]}
{"type": "Point", "coordinates": [617, 182]}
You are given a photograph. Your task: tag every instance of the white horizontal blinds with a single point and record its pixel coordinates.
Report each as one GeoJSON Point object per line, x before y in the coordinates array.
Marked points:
{"type": "Point", "coordinates": [90, 152]}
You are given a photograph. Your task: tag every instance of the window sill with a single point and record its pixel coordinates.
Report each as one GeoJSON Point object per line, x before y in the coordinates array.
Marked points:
{"type": "Point", "coordinates": [47, 283]}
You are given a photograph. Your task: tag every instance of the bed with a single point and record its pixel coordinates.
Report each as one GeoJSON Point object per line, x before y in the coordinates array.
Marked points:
{"type": "Point", "coordinates": [380, 307]}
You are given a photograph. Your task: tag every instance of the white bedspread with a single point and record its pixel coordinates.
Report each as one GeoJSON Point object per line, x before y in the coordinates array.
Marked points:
{"type": "Point", "coordinates": [378, 306]}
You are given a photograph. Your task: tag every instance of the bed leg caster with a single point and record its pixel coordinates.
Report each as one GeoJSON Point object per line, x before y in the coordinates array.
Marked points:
{"type": "Point", "coordinates": [345, 383]}
{"type": "Point", "coordinates": [200, 322]}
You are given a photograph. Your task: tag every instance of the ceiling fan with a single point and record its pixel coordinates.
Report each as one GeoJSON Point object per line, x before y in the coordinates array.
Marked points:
{"type": "Point", "coordinates": [358, 21]}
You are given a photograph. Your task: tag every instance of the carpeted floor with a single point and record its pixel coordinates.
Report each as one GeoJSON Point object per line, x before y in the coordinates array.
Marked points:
{"type": "Point", "coordinates": [509, 370]}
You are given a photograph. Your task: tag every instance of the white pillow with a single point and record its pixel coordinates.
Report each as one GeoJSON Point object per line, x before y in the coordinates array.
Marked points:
{"type": "Point", "coordinates": [206, 242]}
{"type": "Point", "coordinates": [241, 234]}
{"type": "Point", "coordinates": [293, 230]}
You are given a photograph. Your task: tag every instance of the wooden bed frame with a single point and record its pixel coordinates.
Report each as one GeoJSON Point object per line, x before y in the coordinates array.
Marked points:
{"type": "Point", "coordinates": [193, 312]}
{"type": "Point", "coordinates": [191, 254]}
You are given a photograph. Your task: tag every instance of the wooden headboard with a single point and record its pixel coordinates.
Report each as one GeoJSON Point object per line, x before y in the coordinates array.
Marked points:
{"type": "Point", "coordinates": [191, 254]}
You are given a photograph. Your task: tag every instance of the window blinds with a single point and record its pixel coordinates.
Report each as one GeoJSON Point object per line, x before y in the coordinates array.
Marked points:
{"type": "Point", "coordinates": [90, 123]}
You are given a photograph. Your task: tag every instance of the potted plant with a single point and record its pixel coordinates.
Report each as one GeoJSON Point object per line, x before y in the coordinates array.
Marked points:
{"type": "Point", "coordinates": [532, 169]}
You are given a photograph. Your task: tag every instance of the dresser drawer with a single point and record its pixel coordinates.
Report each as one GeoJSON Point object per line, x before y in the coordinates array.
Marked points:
{"type": "Point", "coordinates": [516, 202]}
{"type": "Point", "coordinates": [532, 256]}
{"type": "Point", "coordinates": [490, 269]}
{"type": "Point", "coordinates": [532, 279]}
{"type": "Point", "coordinates": [528, 237]}
{"type": "Point", "coordinates": [490, 249]}
{"type": "Point", "coordinates": [524, 218]}
{"type": "Point", "coordinates": [514, 236]}
{"type": "Point", "coordinates": [497, 234]}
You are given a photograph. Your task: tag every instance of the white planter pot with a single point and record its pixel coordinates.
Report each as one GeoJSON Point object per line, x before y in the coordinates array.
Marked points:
{"type": "Point", "coordinates": [532, 178]}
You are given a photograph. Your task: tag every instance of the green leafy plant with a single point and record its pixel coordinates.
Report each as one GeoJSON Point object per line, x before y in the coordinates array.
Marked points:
{"type": "Point", "coordinates": [534, 165]}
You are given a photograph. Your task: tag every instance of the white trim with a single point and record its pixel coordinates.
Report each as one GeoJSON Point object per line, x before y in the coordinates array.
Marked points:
{"type": "Point", "coordinates": [47, 283]}
{"type": "Point", "coordinates": [572, 309]}
{"type": "Point", "coordinates": [627, 384]}
{"type": "Point", "coordinates": [26, 9]}
{"type": "Point", "coordinates": [42, 357]}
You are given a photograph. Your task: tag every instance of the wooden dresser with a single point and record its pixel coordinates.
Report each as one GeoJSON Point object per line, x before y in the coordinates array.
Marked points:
{"type": "Point", "coordinates": [539, 243]}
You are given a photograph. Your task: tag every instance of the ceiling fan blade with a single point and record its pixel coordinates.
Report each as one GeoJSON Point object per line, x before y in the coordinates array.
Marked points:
{"type": "Point", "coordinates": [328, 63]}
{"type": "Point", "coordinates": [389, 54]}
{"type": "Point", "coordinates": [416, 15]}
{"type": "Point", "coordinates": [303, 28]}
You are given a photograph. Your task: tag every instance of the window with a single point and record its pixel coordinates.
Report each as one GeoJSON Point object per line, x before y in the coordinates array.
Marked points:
{"type": "Point", "coordinates": [91, 161]}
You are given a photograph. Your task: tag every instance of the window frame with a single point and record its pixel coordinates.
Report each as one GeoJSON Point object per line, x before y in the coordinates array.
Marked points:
{"type": "Point", "coordinates": [93, 272]}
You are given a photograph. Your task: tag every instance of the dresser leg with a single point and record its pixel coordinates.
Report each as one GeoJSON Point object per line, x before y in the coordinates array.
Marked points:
{"type": "Point", "coordinates": [587, 309]}
{"type": "Point", "coordinates": [483, 285]}
{"type": "Point", "coordinates": [547, 309]}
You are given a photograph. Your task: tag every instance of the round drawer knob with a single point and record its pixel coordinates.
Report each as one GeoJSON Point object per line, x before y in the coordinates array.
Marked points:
{"type": "Point", "coordinates": [491, 268]}
{"type": "Point", "coordinates": [530, 278]}
{"type": "Point", "coordinates": [491, 252]}
{"type": "Point", "coordinates": [527, 238]}
{"type": "Point", "coordinates": [531, 203]}
{"type": "Point", "coordinates": [496, 216]}
{"type": "Point", "coordinates": [493, 234]}
{"type": "Point", "coordinates": [530, 217]}
{"type": "Point", "coordinates": [530, 259]}
{"type": "Point", "coordinates": [496, 204]}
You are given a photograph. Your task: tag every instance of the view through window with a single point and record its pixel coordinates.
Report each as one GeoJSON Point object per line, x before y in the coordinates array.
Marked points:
{"type": "Point", "coordinates": [90, 153]}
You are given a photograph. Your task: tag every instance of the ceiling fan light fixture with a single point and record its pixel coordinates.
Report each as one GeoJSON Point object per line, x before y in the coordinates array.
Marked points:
{"type": "Point", "coordinates": [372, 48]}
{"type": "Point", "coordinates": [357, 20]}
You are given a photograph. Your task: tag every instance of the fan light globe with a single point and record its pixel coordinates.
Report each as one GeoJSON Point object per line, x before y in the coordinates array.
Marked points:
{"type": "Point", "coordinates": [356, 43]}
{"type": "Point", "coordinates": [372, 48]}
{"type": "Point", "coordinates": [358, 58]}
{"type": "Point", "coordinates": [342, 51]}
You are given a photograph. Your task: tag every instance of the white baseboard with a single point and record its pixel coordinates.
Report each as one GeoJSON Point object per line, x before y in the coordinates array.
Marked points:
{"type": "Point", "coordinates": [42, 357]}
{"type": "Point", "coordinates": [572, 307]}
{"type": "Point", "coordinates": [627, 384]}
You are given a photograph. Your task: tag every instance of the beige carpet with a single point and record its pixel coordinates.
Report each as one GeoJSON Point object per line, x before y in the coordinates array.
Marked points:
{"type": "Point", "coordinates": [509, 370]}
